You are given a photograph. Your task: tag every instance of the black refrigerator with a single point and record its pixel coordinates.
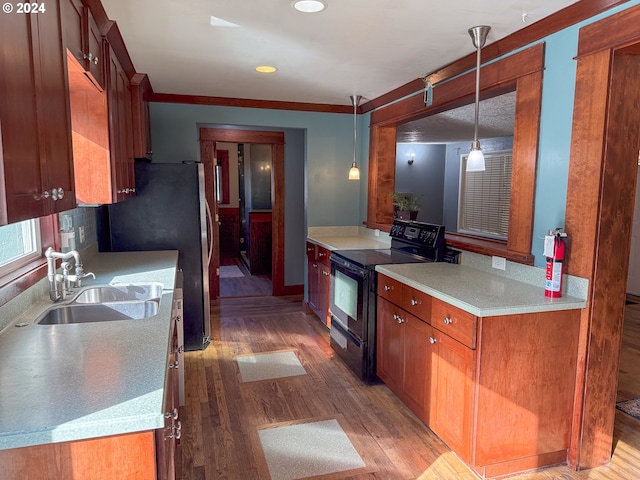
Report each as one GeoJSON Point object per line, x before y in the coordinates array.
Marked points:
{"type": "Point", "coordinates": [169, 212]}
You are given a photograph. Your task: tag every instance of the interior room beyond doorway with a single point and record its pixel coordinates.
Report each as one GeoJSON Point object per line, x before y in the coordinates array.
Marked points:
{"type": "Point", "coordinates": [244, 192]}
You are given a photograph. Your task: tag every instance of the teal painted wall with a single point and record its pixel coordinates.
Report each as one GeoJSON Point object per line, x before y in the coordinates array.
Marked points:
{"type": "Point", "coordinates": [318, 155]}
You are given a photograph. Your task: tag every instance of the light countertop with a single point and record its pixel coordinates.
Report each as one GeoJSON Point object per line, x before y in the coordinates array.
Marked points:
{"type": "Point", "coordinates": [348, 238]}
{"type": "Point", "coordinates": [75, 381]}
{"type": "Point", "coordinates": [477, 292]}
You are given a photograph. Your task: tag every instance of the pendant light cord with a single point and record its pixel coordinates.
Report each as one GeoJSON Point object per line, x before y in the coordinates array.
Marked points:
{"type": "Point", "coordinates": [475, 135]}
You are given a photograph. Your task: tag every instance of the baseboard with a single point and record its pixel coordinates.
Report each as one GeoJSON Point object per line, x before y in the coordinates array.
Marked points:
{"type": "Point", "coordinates": [288, 290]}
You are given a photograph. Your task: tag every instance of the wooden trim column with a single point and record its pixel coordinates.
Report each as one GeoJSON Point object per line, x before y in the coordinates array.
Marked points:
{"type": "Point", "coordinates": [600, 199]}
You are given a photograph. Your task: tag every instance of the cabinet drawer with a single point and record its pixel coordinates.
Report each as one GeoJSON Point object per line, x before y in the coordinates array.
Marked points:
{"type": "Point", "coordinates": [323, 255]}
{"type": "Point", "coordinates": [311, 250]}
{"type": "Point", "coordinates": [454, 322]}
{"type": "Point", "coordinates": [390, 289]}
{"type": "Point", "coordinates": [417, 303]}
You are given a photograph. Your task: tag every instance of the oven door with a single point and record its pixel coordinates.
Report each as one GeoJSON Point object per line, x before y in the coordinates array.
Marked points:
{"type": "Point", "coordinates": [349, 296]}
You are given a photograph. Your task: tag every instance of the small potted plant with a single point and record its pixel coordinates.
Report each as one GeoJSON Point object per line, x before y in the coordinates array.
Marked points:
{"type": "Point", "coordinates": [406, 205]}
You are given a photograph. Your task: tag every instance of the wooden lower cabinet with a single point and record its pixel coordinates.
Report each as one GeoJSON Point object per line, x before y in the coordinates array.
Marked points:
{"type": "Point", "coordinates": [319, 282]}
{"type": "Point", "coordinates": [403, 356]}
{"type": "Point", "coordinates": [451, 392]}
{"type": "Point", "coordinates": [497, 390]}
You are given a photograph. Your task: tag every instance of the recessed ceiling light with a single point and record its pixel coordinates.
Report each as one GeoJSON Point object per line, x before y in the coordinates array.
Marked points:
{"type": "Point", "coordinates": [266, 69]}
{"type": "Point", "coordinates": [309, 6]}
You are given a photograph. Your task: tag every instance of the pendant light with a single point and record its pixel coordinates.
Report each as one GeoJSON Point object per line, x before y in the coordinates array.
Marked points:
{"type": "Point", "coordinates": [354, 173]}
{"type": "Point", "coordinates": [475, 160]}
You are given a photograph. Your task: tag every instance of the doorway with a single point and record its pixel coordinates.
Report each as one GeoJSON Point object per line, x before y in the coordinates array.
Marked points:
{"type": "Point", "coordinates": [244, 195]}
{"type": "Point", "coordinates": [209, 139]}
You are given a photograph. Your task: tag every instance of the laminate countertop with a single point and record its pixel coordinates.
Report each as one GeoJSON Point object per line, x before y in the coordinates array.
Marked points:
{"type": "Point", "coordinates": [348, 242]}
{"type": "Point", "coordinates": [480, 293]}
{"type": "Point", "coordinates": [75, 381]}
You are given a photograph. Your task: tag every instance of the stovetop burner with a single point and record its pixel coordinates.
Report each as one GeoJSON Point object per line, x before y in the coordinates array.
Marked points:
{"type": "Point", "coordinates": [411, 242]}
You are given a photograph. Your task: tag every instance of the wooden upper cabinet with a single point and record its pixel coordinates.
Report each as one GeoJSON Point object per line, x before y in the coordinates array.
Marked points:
{"type": "Point", "coordinates": [120, 128]}
{"type": "Point", "coordinates": [35, 141]}
{"type": "Point", "coordinates": [84, 40]}
{"type": "Point", "coordinates": [140, 92]}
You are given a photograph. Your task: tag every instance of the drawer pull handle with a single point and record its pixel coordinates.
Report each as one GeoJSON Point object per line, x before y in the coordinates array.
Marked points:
{"type": "Point", "coordinates": [414, 302]}
{"type": "Point", "coordinates": [172, 414]}
{"type": "Point", "coordinates": [387, 288]}
{"type": "Point", "coordinates": [447, 321]}
{"type": "Point", "coordinates": [432, 340]}
{"type": "Point", "coordinates": [398, 318]}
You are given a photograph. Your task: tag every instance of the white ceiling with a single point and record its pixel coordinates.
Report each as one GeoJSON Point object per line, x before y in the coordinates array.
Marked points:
{"type": "Point", "coordinates": [354, 47]}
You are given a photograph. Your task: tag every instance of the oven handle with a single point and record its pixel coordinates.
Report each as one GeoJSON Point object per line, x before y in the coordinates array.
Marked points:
{"type": "Point", "coordinates": [346, 266]}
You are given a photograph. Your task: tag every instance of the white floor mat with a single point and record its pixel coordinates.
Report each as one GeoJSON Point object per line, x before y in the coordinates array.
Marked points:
{"type": "Point", "coordinates": [307, 450]}
{"type": "Point", "coordinates": [269, 365]}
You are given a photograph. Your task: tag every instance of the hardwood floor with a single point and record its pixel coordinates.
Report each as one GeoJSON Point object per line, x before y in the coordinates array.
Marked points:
{"type": "Point", "coordinates": [222, 414]}
{"type": "Point", "coordinates": [247, 286]}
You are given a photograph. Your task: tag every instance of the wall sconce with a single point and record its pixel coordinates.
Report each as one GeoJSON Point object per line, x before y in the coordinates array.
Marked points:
{"type": "Point", "coordinates": [412, 157]}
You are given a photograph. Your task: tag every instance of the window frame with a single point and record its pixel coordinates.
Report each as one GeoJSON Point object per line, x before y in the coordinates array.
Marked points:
{"type": "Point", "coordinates": [20, 279]}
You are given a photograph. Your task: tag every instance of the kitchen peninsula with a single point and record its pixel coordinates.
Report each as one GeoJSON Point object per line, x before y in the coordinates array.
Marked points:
{"type": "Point", "coordinates": [487, 362]}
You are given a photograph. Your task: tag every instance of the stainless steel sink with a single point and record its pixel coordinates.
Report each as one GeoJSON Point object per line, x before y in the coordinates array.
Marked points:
{"type": "Point", "coordinates": [119, 293]}
{"type": "Point", "coordinates": [103, 312]}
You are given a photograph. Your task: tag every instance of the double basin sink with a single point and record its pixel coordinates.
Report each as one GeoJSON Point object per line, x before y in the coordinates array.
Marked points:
{"type": "Point", "coordinates": [104, 303]}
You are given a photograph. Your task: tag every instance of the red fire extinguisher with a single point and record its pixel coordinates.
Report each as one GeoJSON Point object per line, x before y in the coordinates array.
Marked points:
{"type": "Point", "coordinates": [555, 251]}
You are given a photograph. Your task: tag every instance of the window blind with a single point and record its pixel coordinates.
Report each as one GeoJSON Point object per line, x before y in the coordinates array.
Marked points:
{"type": "Point", "coordinates": [485, 197]}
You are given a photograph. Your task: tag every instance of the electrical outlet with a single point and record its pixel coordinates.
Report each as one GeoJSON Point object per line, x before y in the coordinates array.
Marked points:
{"type": "Point", "coordinates": [499, 262]}
{"type": "Point", "coordinates": [81, 233]}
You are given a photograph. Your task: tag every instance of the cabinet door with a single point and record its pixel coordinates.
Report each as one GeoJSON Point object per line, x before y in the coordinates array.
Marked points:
{"type": "Point", "coordinates": [389, 345]}
{"type": "Point", "coordinates": [121, 145]}
{"type": "Point", "coordinates": [94, 61]}
{"type": "Point", "coordinates": [167, 437]}
{"type": "Point", "coordinates": [452, 380]}
{"type": "Point", "coordinates": [140, 92]}
{"type": "Point", "coordinates": [417, 353]}
{"type": "Point", "coordinates": [312, 282]}
{"type": "Point", "coordinates": [324, 293]}
{"type": "Point", "coordinates": [35, 134]}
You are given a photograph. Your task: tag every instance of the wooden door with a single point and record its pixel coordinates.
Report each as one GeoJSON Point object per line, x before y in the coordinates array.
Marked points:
{"type": "Point", "coordinates": [633, 277]}
{"type": "Point", "coordinates": [389, 345]}
{"type": "Point", "coordinates": [452, 377]}
{"type": "Point", "coordinates": [417, 353]}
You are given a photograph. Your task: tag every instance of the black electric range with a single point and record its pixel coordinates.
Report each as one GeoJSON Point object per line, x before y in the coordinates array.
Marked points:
{"type": "Point", "coordinates": [354, 289]}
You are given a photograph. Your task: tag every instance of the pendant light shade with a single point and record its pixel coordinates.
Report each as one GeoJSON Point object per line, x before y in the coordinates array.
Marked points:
{"type": "Point", "coordinates": [354, 173]}
{"type": "Point", "coordinates": [475, 160]}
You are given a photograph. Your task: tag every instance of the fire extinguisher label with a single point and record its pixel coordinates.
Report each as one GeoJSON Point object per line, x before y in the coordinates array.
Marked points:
{"type": "Point", "coordinates": [553, 277]}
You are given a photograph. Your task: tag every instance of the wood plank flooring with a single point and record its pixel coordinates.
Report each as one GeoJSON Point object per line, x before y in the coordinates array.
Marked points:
{"type": "Point", "coordinates": [247, 286]}
{"type": "Point", "coordinates": [222, 414]}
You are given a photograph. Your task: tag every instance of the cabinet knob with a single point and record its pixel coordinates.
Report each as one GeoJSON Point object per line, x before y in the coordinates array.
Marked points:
{"type": "Point", "coordinates": [172, 414]}
{"type": "Point", "coordinates": [181, 349]}
{"type": "Point", "coordinates": [173, 364]}
{"type": "Point", "coordinates": [322, 254]}
{"type": "Point", "coordinates": [176, 431]}
{"type": "Point", "coordinates": [414, 302]}
{"type": "Point", "coordinates": [91, 57]}
{"type": "Point", "coordinates": [432, 340]}
{"type": "Point", "coordinates": [325, 273]}
{"type": "Point", "coordinates": [387, 288]}
{"type": "Point", "coordinates": [45, 194]}
{"type": "Point", "coordinates": [447, 321]}
{"type": "Point", "coordinates": [398, 318]}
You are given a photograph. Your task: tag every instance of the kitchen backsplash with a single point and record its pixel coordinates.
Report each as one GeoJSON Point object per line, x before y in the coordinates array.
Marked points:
{"type": "Point", "coordinates": [78, 228]}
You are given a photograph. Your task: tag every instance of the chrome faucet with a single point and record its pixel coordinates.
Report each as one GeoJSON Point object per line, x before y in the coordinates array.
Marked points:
{"type": "Point", "coordinates": [60, 284]}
